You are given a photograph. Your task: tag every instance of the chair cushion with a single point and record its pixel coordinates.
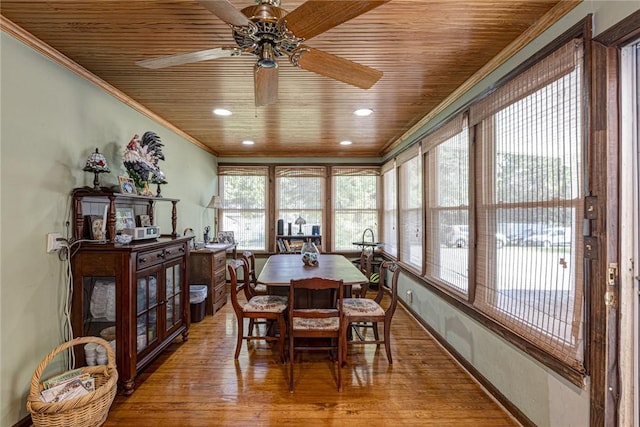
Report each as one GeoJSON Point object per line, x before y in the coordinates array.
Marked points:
{"type": "Point", "coordinates": [361, 306]}
{"type": "Point", "coordinates": [266, 303]}
{"type": "Point", "coordinates": [325, 324]}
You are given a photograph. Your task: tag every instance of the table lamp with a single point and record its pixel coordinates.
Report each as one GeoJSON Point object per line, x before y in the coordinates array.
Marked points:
{"type": "Point", "coordinates": [215, 203]}
{"type": "Point", "coordinates": [97, 164]}
{"type": "Point", "coordinates": [300, 222]}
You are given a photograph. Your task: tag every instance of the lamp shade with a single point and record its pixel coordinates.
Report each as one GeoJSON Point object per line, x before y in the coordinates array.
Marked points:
{"type": "Point", "coordinates": [215, 203]}
{"type": "Point", "coordinates": [300, 221]}
{"type": "Point", "coordinates": [96, 163]}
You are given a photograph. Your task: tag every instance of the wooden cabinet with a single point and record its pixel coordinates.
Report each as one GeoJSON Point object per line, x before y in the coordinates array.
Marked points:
{"type": "Point", "coordinates": [136, 294]}
{"type": "Point", "coordinates": [208, 267]}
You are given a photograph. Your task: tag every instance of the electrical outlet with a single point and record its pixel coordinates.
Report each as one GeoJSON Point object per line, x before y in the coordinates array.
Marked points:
{"type": "Point", "coordinates": [53, 245]}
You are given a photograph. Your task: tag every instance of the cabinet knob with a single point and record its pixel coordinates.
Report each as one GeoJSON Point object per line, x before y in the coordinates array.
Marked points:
{"type": "Point", "coordinates": [160, 255]}
{"type": "Point", "coordinates": [143, 260]}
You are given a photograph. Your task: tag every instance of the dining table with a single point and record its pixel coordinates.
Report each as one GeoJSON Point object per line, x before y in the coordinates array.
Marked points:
{"type": "Point", "coordinates": [280, 269]}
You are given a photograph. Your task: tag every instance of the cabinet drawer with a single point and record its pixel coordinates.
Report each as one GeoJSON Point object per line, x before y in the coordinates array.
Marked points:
{"type": "Point", "coordinates": [172, 252]}
{"type": "Point", "coordinates": [220, 260]}
{"type": "Point", "coordinates": [220, 277]}
{"type": "Point", "coordinates": [217, 305]}
{"type": "Point", "coordinates": [147, 259]}
{"type": "Point", "coordinates": [220, 292]}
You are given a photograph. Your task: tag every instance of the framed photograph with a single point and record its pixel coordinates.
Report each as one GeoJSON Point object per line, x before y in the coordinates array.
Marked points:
{"type": "Point", "coordinates": [127, 186]}
{"type": "Point", "coordinates": [226, 237]}
{"type": "Point", "coordinates": [96, 227]}
{"type": "Point", "coordinates": [144, 221]}
{"type": "Point", "coordinates": [124, 218]}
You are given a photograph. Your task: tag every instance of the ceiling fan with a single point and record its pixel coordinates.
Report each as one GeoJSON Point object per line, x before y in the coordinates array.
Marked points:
{"type": "Point", "coordinates": [269, 32]}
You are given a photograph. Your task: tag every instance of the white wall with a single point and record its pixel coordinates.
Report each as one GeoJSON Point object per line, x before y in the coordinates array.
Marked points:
{"type": "Point", "coordinates": [51, 121]}
{"type": "Point", "coordinates": [543, 396]}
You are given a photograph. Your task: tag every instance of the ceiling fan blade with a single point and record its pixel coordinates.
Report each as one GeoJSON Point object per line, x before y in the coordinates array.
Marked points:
{"type": "Point", "coordinates": [225, 11]}
{"type": "Point", "coordinates": [315, 17]}
{"type": "Point", "coordinates": [266, 85]}
{"type": "Point", "coordinates": [186, 58]}
{"type": "Point", "coordinates": [337, 68]}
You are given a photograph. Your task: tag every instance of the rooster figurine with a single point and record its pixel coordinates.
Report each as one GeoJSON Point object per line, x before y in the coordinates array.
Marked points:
{"type": "Point", "coordinates": [141, 157]}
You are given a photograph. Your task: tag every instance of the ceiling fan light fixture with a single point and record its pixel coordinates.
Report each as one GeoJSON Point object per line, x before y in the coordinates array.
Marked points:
{"type": "Point", "coordinates": [247, 142]}
{"type": "Point", "coordinates": [363, 112]}
{"type": "Point", "coordinates": [345, 142]}
{"type": "Point", "coordinates": [267, 57]}
{"type": "Point", "coordinates": [222, 112]}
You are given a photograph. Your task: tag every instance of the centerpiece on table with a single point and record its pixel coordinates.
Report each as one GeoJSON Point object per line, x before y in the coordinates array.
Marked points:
{"type": "Point", "coordinates": [141, 158]}
{"type": "Point", "coordinates": [309, 254]}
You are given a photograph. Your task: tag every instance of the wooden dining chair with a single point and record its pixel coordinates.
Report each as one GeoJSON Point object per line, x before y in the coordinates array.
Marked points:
{"type": "Point", "coordinates": [270, 307]}
{"type": "Point", "coordinates": [315, 307]}
{"type": "Point", "coordinates": [258, 288]}
{"type": "Point", "coordinates": [366, 267]}
{"type": "Point", "coordinates": [368, 312]}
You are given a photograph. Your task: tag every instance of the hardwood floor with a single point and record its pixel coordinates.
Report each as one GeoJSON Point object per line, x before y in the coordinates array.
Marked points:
{"type": "Point", "coordinates": [198, 383]}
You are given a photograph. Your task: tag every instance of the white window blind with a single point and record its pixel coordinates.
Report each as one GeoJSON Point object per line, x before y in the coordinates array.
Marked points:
{"type": "Point", "coordinates": [355, 205]}
{"type": "Point", "coordinates": [531, 169]}
{"type": "Point", "coordinates": [449, 232]}
{"type": "Point", "coordinates": [300, 193]}
{"type": "Point", "coordinates": [243, 193]}
{"type": "Point", "coordinates": [390, 209]}
{"type": "Point", "coordinates": [410, 209]}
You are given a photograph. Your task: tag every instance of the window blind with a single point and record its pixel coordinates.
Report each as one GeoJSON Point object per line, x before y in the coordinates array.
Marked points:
{"type": "Point", "coordinates": [390, 206]}
{"type": "Point", "coordinates": [449, 233]}
{"type": "Point", "coordinates": [410, 207]}
{"type": "Point", "coordinates": [355, 204]}
{"type": "Point", "coordinates": [531, 169]}
{"type": "Point", "coordinates": [300, 193]}
{"type": "Point", "coordinates": [243, 193]}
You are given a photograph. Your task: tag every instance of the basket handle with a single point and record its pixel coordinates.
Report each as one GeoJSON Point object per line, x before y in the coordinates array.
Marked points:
{"type": "Point", "coordinates": [35, 380]}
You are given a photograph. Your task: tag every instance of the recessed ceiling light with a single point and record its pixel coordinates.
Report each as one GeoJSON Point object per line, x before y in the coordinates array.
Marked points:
{"type": "Point", "coordinates": [363, 112]}
{"type": "Point", "coordinates": [345, 142]}
{"type": "Point", "coordinates": [247, 142]}
{"type": "Point", "coordinates": [222, 112]}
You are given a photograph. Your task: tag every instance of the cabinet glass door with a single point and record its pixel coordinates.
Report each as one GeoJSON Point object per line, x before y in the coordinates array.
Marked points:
{"type": "Point", "coordinates": [99, 316]}
{"type": "Point", "coordinates": [147, 310]}
{"type": "Point", "coordinates": [173, 293]}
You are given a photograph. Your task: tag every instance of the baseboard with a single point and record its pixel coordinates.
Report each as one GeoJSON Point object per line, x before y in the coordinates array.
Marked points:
{"type": "Point", "coordinates": [513, 410]}
{"type": "Point", "coordinates": [25, 422]}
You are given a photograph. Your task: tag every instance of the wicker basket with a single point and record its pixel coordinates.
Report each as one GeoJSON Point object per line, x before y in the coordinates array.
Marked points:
{"type": "Point", "coordinates": [88, 410]}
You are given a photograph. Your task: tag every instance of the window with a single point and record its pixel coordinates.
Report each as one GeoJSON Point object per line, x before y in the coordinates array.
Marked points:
{"type": "Point", "coordinates": [449, 235]}
{"type": "Point", "coordinates": [390, 213]}
{"type": "Point", "coordinates": [355, 205]}
{"type": "Point", "coordinates": [300, 194]}
{"type": "Point", "coordinates": [530, 164]}
{"type": "Point", "coordinates": [410, 187]}
{"type": "Point", "coordinates": [244, 205]}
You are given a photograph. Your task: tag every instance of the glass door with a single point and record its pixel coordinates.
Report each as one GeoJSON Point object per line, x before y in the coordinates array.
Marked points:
{"type": "Point", "coordinates": [173, 295]}
{"type": "Point", "coordinates": [147, 303]}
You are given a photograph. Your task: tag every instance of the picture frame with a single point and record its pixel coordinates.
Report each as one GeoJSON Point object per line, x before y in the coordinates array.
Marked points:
{"type": "Point", "coordinates": [143, 221]}
{"type": "Point", "coordinates": [127, 186]}
{"type": "Point", "coordinates": [226, 237]}
{"type": "Point", "coordinates": [96, 229]}
{"type": "Point", "coordinates": [124, 218]}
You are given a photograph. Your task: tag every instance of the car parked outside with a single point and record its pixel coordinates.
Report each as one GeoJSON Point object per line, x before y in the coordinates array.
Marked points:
{"type": "Point", "coordinates": [553, 236]}
{"type": "Point", "coordinates": [457, 236]}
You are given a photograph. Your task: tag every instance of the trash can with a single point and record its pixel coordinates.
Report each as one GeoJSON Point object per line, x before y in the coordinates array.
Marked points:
{"type": "Point", "coordinates": [197, 298]}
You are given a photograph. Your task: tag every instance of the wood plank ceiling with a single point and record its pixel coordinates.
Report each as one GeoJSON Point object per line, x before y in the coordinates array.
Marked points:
{"type": "Point", "coordinates": [426, 50]}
